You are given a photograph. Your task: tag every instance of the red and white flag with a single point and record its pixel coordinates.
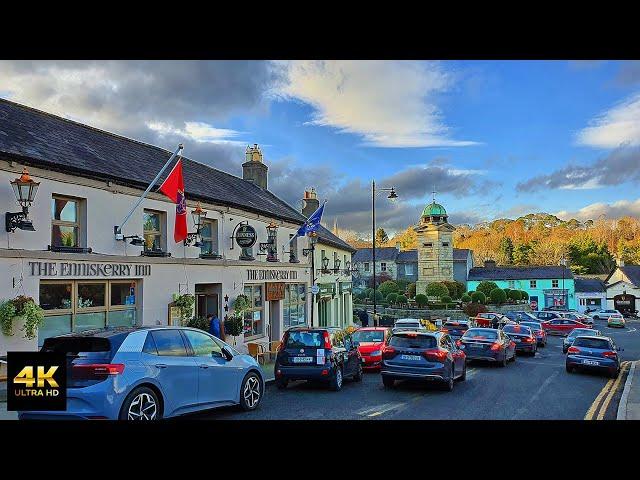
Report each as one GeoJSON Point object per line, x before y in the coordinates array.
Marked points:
{"type": "Point", "coordinates": [173, 187]}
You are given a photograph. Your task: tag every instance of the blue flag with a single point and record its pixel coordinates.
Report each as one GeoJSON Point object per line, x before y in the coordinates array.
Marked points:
{"type": "Point", "coordinates": [312, 224]}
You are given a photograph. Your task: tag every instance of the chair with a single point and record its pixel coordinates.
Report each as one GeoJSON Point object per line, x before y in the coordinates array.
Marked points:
{"type": "Point", "coordinates": [273, 348]}
{"type": "Point", "coordinates": [257, 351]}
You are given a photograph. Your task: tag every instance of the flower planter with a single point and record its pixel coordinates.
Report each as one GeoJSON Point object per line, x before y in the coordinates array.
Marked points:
{"type": "Point", "coordinates": [17, 342]}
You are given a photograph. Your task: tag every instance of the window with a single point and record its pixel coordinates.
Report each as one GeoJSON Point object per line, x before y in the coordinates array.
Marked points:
{"type": "Point", "coordinates": [209, 237]}
{"type": "Point", "coordinates": [533, 284]}
{"type": "Point", "coordinates": [254, 317]}
{"type": "Point", "coordinates": [512, 284]}
{"type": "Point", "coordinates": [427, 271]}
{"type": "Point", "coordinates": [383, 267]}
{"type": "Point", "coordinates": [445, 244]}
{"type": "Point", "coordinates": [65, 222]}
{"type": "Point", "coordinates": [554, 283]}
{"type": "Point", "coordinates": [446, 270]}
{"type": "Point", "coordinates": [75, 306]}
{"type": "Point", "coordinates": [294, 308]}
{"type": "Point", "coordinates": [202, 344]}
{"type": "Point", "coordinates": [293, 249]}
{"type": "Point", "coordinates": [366, 266]}
{"type": "Point", "coordinates": [409, 269]}
{"type": "Point", "coordinates": [428, 245]}
{"type": "Point", "coordinates": [169, 343]}
{"type": "Point", "coordinates": [153, 228]}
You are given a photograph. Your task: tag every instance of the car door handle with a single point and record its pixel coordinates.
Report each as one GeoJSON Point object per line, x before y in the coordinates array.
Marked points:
{"type": "Point", "coordinates": [161, 365]}
{"type": "Point", "coordinates": [204, 365]}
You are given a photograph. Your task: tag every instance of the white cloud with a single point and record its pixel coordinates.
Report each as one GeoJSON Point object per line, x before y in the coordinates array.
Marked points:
{"type": "Point", "coordinates": [198, 131]}
{"type": "Point", "coordinates": [618, 126]}
{"type": "Point", "coordinates": [388, 103]}
{"type": "Point", "coordinates": [617, 209]}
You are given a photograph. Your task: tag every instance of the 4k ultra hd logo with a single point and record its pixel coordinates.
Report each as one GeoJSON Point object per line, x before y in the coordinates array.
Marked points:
{"type": "Point", "coordinates": [36, 381]}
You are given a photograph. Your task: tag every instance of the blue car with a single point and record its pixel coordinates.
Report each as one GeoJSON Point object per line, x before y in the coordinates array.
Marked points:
{"type": "Point", "coordinates": [149, 373]}
{"type": "Point", "coordinates": [417, 355]}
{"type": "Point", "coordinates": [594, 353]}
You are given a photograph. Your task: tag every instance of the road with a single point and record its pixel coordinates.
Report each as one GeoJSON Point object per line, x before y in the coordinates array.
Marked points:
{"type": "Point", "coordinates": [529, 389]}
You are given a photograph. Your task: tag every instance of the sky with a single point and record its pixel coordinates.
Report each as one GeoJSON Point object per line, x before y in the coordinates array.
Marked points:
{"type": "Point", "coordinates": [494, 139]}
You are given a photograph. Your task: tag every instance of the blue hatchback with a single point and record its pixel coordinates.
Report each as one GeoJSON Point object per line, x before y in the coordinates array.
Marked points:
{"type": "Point", "coordinates": [594, 353]}
{"type": "Point", "coordinates": [151, 373]}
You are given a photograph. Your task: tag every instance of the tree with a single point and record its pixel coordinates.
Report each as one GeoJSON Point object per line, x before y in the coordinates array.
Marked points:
{"type": "Point", "coordinates": [456, 289]}
{"type": "Point", "coordinates": [498, 296]}
{"type": "Point", "coordinates": [525, 295]}
{"type": "Point", "coordinates": [392, 298]}
{"type": "Point", "coordinates": [421, 300]}
{"type": "Point", "coordinates": [402, 285]}
{"type": "Point", "coordinates": [387, 287]}
{"type": "Point", "coordinates": [465, 298]}
{"type": "Point", "coordinates": [446, 300]}
{"type": "Point", "coordinates": [473, 309]}
{"type": "Point", "coordinates": [381, 277]}
{"type": "Point", "coordinates": [515, 295]}
{"type": "Point", "coordinates": [478, 297]}
{"type": "Point", "coordinates": [411, 290]}
{"type": "Point", "coordinates": [437, 289]}
{"type": "Point", "coordinates": [521, 254]}
{"type": "Point", "coordinates": [486, 287]}
{"type": "Point", "coordinates": [381, 237]}
{"type": "Point", "coordinates": [506, 250]}
{"type": "Point", "coordinates": [401, 300]}
{"type": "Point", "coordinates": [379, 296]}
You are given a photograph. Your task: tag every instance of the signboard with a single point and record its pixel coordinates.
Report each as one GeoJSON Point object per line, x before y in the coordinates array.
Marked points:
{"type": "Point", "coordinates": [255, 274]}
{"type": "Point", "coordinates": [175, 318]}
{"type": "Point", "coordinates": [327, 289]}
{"type": "Point", "coordinates": [315, 289]}
{"type": "Point", "coordinates": [345, 287]}
{"type": "Point", "coordinates": [275, 291]}
{"type": "Point", "coordinates": [82, 269]}
{"type": "Point", "coordinates": [246, 236]}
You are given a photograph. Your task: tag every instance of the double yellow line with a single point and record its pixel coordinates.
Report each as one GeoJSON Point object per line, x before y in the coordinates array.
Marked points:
{"type": "Point", "coordinates": [607, 392]}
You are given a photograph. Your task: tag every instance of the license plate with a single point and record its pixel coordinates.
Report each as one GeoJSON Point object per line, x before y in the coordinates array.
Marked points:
{"type": "Point", "coordinates": [517, 340]}
{"type": "Point", "coordinates": [302, 359]}
{"type": "Point", "coordinates": [479, 346]}
{"type": "Point", "coordinates": [410, 357]}
{"type": "Point", "coordinates": [590, 362]}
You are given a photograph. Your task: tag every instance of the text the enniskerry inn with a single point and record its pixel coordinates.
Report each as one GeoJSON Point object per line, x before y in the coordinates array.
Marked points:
{"type": "Point", "coordinates": [272, 275]}
{"type": "Point", "coordinates": [70, 269]}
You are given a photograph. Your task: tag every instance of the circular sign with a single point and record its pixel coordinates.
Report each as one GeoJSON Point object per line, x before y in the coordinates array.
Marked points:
{"type": "Point", "coordinates": [315, 289]}
{"type": "Point", "coordinates": [533, 304]}
{"type": "Point", "coordinates": [246, 236]}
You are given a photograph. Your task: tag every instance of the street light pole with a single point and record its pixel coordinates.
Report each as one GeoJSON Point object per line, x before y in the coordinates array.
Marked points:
{"type": "Point", "coordinates": [373, 251]}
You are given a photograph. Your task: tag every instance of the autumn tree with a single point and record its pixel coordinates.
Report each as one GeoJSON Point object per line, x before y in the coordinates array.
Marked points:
{"type": "Point", "coordinates": [381, 237]}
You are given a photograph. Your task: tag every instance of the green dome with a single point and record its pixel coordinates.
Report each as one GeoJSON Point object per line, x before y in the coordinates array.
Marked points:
{"type": "Point", "coordinates": [433, 209]}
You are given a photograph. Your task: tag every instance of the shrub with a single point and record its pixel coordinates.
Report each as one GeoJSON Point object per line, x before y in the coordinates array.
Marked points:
{"type": "Point", "coordinates": [507, 290]}
{"type": "Point", "coordinates": [473, 309]}
{"type": "Point", "coordinates": [478, 297]}
{"type": "Point", "coordinates": [446, 300]}
{"type": "Point", "coordinates": [515, 295]}
{"type": "Point", "coordinates": [379, 296]}
{"type": "Point", "coordinates": [392, 297]}
{"type": "Point", "coordinates": [498, 296]}
{"type": "Point", "coordinates": [402, 285]}
{"type": "Point", "coordinates": [198, 322]}
{"type": "Point", "coordinates": [233, 325]}
{"type": "Point", "coordinates": [387, 287]}
{"type": "Point", "coordinates": [421, 300]}
{"type": "Point", "coordinates": [437, 289]}
{"type": "Point", "coordinates": [525, 295]}
{"type": "Point", "coordinates": [411, 290]}
{"type": "Point", "coordinates": [401, 300]}
{"type": "Point", "coordinates": [486, 287]}
{"type": "Point", "coordinates": [465, 298]}
{"type": "Point", "coordinates": [456, 289]}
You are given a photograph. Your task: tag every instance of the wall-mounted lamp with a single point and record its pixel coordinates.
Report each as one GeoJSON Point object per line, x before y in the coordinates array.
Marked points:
{"type": "Point", "coordinates": [198, 215]}
{"type": "Point", "coordinates": [24, 188]}
{"type": "Point", "coordinates": [136, 240]}
{"type": "Point", "coordinates": [313, 239]}
{"type": "Point", "coordinates": [270, 245]}
{"type": "Point", "coordinates": [336, 265]}
{"type": "Point", "coordinates": [325, 264]}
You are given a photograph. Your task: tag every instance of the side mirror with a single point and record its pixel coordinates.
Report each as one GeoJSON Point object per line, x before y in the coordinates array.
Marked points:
{"type": "Point", "coordinates": [227, 353]}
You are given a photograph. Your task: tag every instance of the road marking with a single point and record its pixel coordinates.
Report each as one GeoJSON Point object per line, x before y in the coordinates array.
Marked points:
{"type": "Point", "coordinates": [535, 395]}
{"type": "Point", "coordinates": [607, 400]}
{"type": "Point", "coordinates": [380, 409]}
{"type": "Point", "coordinates": [605, 390]}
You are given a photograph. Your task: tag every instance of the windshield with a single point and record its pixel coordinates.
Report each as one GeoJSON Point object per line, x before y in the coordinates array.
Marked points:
{"type": "Point", "coordinates": [580, 331]}
{"type": "Point", "coordinates": [481, 334]}
{"type": "Point", "coordinates": [456, 325]}
{"type": "Point", "coordinates": [592, 343]}
{"type": "Point", "coordinates": [368, 336]}
{"type": "Point", "coordinates": [516, 329]}
{"type": "Point", "coordinates": [305, 339]}
{"type": "Point", "coordinates": [419, 341]}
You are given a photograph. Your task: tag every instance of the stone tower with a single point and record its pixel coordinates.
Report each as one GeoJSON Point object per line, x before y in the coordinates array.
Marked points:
{"type": "Point", "coordinates": [435, 246]}
{"type": "Point", "coordinates": [253, 169]}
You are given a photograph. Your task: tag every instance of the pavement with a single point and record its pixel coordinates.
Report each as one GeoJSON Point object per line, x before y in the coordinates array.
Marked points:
{"type": "Point", "coordinates": [629, 406]}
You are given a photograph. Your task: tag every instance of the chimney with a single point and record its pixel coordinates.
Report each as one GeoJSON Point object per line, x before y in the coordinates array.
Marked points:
{"type": "Point", "coordinates": [620, 262]}
{"type": "Point", "coordinates": [253, 170]}
{"type": "Point", "coordinates": [489, 264]}
{"type": "Point", "coordinates": [310, 202]}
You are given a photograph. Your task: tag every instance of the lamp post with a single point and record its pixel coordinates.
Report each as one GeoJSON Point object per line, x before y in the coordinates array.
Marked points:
{"type": "Point", "coordinates": [24, 188]}
{"type": "Point", "coordinates": [313, 239]}
{"type": "Point", "coordinates": [563, 262]}
{"type": "Point", "coordinates": [392, 196]}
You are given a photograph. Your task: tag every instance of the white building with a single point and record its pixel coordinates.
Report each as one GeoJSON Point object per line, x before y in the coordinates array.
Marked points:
{"type": "Point", "coordinates": [74, 268]}
{"type": "Point", "coordinates": [590, 294]}
{"type": "Point", "coordinates": [623, 287]}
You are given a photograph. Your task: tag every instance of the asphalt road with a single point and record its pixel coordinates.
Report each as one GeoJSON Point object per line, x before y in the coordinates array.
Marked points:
{"type": "Point", "coordinates": [531, 388]}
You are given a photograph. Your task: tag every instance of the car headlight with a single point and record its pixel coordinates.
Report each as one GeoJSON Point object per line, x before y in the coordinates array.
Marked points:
{"type": "Point", "coordinates": [376, 353]}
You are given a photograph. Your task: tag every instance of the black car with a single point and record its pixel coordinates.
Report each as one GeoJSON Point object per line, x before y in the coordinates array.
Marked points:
{"type": "Point", "coordinates": [523, 337]}
{"type": "Point", "coordinates": [317, 354]}
{"type": "Point", "coordinates": [488, 344]}
{"type": "Point", "coordinates": [455, 328]}
{"type": "Point", "coordinates": [520, 316]}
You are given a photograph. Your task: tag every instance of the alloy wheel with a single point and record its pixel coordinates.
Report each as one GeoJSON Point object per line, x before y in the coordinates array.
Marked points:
{"type": "Point", "coordinates": [339, 377]}
{"type": "Point", "coordinates": [143, 407]}
{"type": "Point", "coordinates": [251, 392]}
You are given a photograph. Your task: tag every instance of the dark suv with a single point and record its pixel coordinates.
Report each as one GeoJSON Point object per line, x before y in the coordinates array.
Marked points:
{"type": "Point", "coordinates": [323, 354]}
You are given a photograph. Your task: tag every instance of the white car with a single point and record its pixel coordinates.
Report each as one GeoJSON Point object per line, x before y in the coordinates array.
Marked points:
{"type": "Point", "coordinates": [404, 324]}
{"type": "Point", "coordinates": [604, 314]}
{"type": "Point", "coordinates": [580, 317]}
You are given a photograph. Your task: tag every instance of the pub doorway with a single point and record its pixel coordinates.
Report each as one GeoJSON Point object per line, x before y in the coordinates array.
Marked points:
{"type": "Point", "coordinates": [208, 299]}
{"type": "Point", "coordinates": [624, 303]}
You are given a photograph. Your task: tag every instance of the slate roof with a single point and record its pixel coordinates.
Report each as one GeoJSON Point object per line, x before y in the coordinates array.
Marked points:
{"type": "Point", "coordinates": [632, 272]}
{"type": "Point", "coordinates": [382, 254]}
{"type": "Point", "coordinates": [460, 254]}
{"type": "Point", "coordinates": [407, 256]}
{"type": "Point", "coordinates": [328, 238]}
{"type": "Point", "coordinates": [403, 256]}
{"type": "Point", "coordinates": [519, 273]}
{"type": "Point", "coordinates": [40, 139]}
{"type": "Point", "coordinates": [585, 284]}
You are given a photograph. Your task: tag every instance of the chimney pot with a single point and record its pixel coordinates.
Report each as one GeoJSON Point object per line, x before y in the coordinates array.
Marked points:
{"type": "Point", "coordinates": [489, 264]}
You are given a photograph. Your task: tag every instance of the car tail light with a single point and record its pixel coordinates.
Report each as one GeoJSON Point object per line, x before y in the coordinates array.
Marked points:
{"type": "Point", "coordinates": [435, 354]}
{"type": "Point", "coordinates": [327, 340]}
{"type": "Point", "coordinates": [495, 346]}
{"type": "Point", "coordinates": [444, 330]}
{"type": "Point", "coordinates": [529, 339]}
{"type": "Point", "coordinates": [97, 370]}
{"type": "Point", "coordinates": [388, 352]}
{"type": "Point", "coordinates": [609, 354]}
{"type": "Point", "coordinates": [325, 372]}
{"type": "Point", "coordinates": [573, 350]}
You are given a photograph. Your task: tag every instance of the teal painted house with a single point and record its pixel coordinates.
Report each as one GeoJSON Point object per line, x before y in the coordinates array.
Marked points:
{"type": "Point", "coordinates": [547, 286]}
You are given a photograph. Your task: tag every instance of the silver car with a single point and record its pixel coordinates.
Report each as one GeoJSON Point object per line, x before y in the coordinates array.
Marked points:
{"type": "Point", "coordinates": [568, 340]}
{"type": "Point", "coordinates": [408, 324]}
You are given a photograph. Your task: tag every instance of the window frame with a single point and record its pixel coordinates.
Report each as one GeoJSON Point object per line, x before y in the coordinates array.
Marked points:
{"type": "Point", "coordinates": [78, 224]}
{"type": "Point", "coordinates": [533, 284]}
{"type": "Point", "coordinates": [367, 267]}
{"type": "Point", "coordinates": [162, 220]}
{"type": "Point", "coordinates": [250, 311]}
{"type": "Point", "coordinates": [286, 303]}
{"type": "Point", "coordinates": [213, 223]}
{"type": "Point", "coordinates": [555, 283]}
{"type": "Point", "coordinates": [383, 266]}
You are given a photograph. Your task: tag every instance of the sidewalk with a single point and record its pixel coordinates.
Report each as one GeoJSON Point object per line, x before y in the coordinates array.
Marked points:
{"type": "Point", "coordinates": [629, 407]}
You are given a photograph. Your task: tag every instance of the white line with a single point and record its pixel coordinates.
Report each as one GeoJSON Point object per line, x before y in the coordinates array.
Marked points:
{"type": "Point", "coordinates": [535, 395]}
{"type": "Point", "coordinates": [622, 406]}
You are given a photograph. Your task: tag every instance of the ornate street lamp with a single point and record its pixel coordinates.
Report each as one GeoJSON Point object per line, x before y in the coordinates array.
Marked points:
{"type": "Point", "coordinates": [336, 265]}
{"type": "Point", "coordinates": [270, 245]}
{"type": "Point", "coordinates": [198, 215]}
{"type": "Point", "coordinates": [325, 264]}
{"type": "Point", "coordinates": [25, 189]}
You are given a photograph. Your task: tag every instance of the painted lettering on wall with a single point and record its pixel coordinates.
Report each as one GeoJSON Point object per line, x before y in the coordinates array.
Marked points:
{"type": "Point", "coordinates": [70, 269]}
{"type": "Point", "coordinates": [272, 275]}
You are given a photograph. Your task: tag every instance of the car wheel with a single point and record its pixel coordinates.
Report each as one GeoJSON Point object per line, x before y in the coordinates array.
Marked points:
{"type": "Point", "coordinates": [463, 377]}
{"type": "Point", "coordinates": [251, 392]}
{"type": "Point", "coordinates": [388, 382]}
{"type": "Point", "coordinates": [615, 374]}
{"type": "Point", "coordinates": [358, 375]}
{"type": "Point", "coordinates": [336, 381]}
{"type": "Point", "coordinates": [448, 386]}
{"type": "Point", "coordinates": [281, 384]}
{"type": "Point", "coordinates": [569, 369]}
{"type": "Point", "coordinates": [503, 363]}
{"type": "Point", "coordinates": [513, 359]}
{"type": "Point", "coordinates": [141, 404]}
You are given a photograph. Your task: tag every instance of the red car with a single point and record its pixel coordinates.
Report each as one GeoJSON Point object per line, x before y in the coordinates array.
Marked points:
{"type": "Point", "coordinates": [562, 326]}
{"type": "Point", "coordinates": [371, 341]}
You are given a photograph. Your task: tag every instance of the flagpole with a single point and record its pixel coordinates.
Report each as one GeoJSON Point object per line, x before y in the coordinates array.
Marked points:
{"type": "Point", "coordinates": [305, 223]}
{"type": "Point", "coordinates": [118, 228]}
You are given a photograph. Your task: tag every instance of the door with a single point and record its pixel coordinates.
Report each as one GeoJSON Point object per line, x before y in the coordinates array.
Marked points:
{"type": "Point", "coordinates": [457, 355]}
{"type": "Point", "coordinates": [275, 322]}
{"type": "Point", "coordinates": [207, 304]}
{"type": "Point", "coordinates": [624, 303]}
{"type": "Point", "coordinates": [217, 377]}
{"type": "Point", "coordinates": [167, 355]}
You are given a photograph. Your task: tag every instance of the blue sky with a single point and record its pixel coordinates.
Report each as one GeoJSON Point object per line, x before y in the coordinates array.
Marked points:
{"type": "Point", "coordinates": [495, 138]}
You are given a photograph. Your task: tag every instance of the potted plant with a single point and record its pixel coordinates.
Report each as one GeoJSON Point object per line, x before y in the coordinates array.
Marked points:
{"type": "Point", "coordinates": [234, 323]}
{"type": "Point", "coordinates": [22, 311]}
{"type": "Point", "coordinates": [185, 303]}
